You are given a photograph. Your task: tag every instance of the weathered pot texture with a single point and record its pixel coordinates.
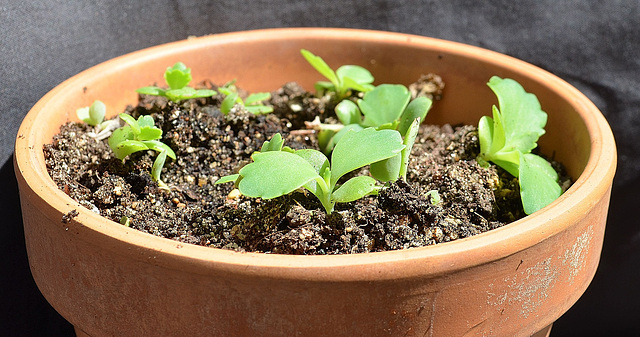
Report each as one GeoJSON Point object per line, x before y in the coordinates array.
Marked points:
{"type": "Point", "coordinates": [109, 280]}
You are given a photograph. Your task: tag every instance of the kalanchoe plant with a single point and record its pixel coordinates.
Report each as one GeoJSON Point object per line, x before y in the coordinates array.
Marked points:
{"type": "Point", "coordinates": [252, 103]}
{"type": "Point", "coordinates": [94, 115]}
{"type": "Point", "coordinates": [341, 81]}
{"type": "Point", "coordinates": [388, 106]}
{"type": "Point", "coordinates": [177, 78]}
{"type": "Point", "coordinates": [141, 135]}
{"type": "Point", "coordinates": [276, 171]}
{"type": "Point", "coordinates": [508, 138]}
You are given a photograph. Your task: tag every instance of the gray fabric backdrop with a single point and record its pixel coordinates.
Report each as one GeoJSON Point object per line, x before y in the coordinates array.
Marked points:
{"type": "Point", "coordinates": [593, 45]}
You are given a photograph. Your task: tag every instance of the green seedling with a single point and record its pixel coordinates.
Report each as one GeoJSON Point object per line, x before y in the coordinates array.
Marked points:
{"type": "Point", "coordinates": [177, 78]}
{"type": "Point", "coordinates": [94, 115]}
{"type": "Point", "coordinates": [277, 171]}
{"type": "Point", "coordinates": [388, 106]}
{"type": "Point", "coordinates": [341, 81]}
{"type": "Point", "coordinates": [508, 138]}
{"type": "Point", "coordinates": [253, 102]}
{"type": "Point", "coordinates": [141, 135]}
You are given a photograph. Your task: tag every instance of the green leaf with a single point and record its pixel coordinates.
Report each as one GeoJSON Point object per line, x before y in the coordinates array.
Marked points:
{"type": "Point", "coordinates": [135, 128]}
{"type": "Point", "coordinates": [321, 164]}
{"type": "Point", "coordinates": [418, 108]}
{"type": "Point", "coordinates": [203, 93]}
{"type": "Point", "coordinates": [384, 104]}
{"type": "Point", "coordinates": [323, 86]}
{"type": "Point", "coordinates": [325, 140]}
{"type": "Point", "coordinates": [538, 183]}
{"type": "Point", "coordinates": [354, 189]}
{"type": "Point", "coordinates": [275, 173]}
{"type": "Point", "coordinates": [337, 136]}
{"type": "Point", "coordinates": [229, 102]}
{"type": "Point", "coordinates": [259, 109]}
{"type": "Point", "coordinates": [83, 115]}
{"type": "Point", "coordinates": [227, 179]}
{"type": "Point", "coordinates": [353, 77]}
{"type": "Point", "coordinates": [275, 144]}
{"type": "Point", "coordinates": [156, 170]}
{"type": "Point", "coordinates": [146, 121]}
{"type": "Point", "coordinates": [159, 146]}
{"type": "Point", "coordinates": [177, 95]}
{"type": "Point", "coordinates": [120, 135]}
{"type": "Point", "coordinates": [178, 76]}
{"type": "Point", "coordinates": [357, 149]}
{"type": "Point", "coordinates": [522, 117]}
{"type": "Point", "coordinates": [128, 147]}
{"type": "Point", "coordinates": [257, 97]}
{"type": "Point", "coordinates": [348, 112]}
{"type": "Point", "coordinates": [358, 74]}
{"type": "Point", "coordinates": [322, 67]}
{"type": "Point", "coordinates": [408, 141]}
{"type": "Point", "coordinates": [153, 91]}
{"type": "Point", "coordinates": [485, 132]}
{"type": "Point", "coordinates": [387, 169]}
{"type": "Point", "coordinates": [97, 111]}
{"type": "Point", "coordinates": [349, 83]}
{"type": "Point", "coordinates": [317, 159]}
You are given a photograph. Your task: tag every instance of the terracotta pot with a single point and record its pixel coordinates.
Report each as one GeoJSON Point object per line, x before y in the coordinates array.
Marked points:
{"type": "Point", "coordinates": [109, 280]}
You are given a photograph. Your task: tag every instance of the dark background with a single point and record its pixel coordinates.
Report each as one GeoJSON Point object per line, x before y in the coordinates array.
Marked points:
{"type": "Point", "coordinates": [593, 45]}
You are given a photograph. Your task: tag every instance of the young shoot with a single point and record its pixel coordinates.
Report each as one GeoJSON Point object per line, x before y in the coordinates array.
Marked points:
{"type": "Point", "coordinates": [177, 78]}
{"type": "Point", "coordinates": [341, 81]}
{"type": "Point", "coordinates": [388, 106]}
{"type": "Point", "coordinates": [253, 102]}
{"type": "Point", "coordinates": [277, 171]}
{"type": "Point", "coordinates": [94, 115]}
{"type": "Point", "coordinates": [141, 135]}
{"type": "Point", "coordinates": [507, 138]}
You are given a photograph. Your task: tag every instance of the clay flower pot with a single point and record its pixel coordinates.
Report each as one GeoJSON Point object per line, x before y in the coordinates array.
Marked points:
{"type": "Point", "coordinates": [109, 280]}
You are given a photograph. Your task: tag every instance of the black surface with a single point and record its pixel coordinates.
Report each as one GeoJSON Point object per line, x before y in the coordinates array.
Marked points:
{"type": "Point", "coordinates": [593, 45]}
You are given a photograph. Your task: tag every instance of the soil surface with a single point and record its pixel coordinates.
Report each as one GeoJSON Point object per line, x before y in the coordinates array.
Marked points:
{"type": "Point", "coordinates": [209, 145]}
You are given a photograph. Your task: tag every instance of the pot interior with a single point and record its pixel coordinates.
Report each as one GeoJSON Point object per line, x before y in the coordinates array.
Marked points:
{"type": "Point", "coordinates": [271, 60]}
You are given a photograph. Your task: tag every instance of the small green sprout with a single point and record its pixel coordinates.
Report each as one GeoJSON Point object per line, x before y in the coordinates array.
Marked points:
{"type": "Point", "coordinates": [177, 78]}
{"type": "Point", "coordinates": [388, 106]}
{"type": "Point", "coordinates": [252, 103]}
{"type": "Point", "coordinates": [94, 115]}
{"type": "Point", "coordinates": [343, 80]}
{"type": "Point", "coordinates": [141, 135]}
{"type": "Point", "coordinates": [276, 171]}
{"type": "Point", "coordinates": [508, 138]}
{"type": "Point", "coordinates": [434, 197]}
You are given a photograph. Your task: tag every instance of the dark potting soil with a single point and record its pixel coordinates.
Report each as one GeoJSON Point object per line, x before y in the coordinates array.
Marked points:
{"type": "Point", "coordinates": [209, 145]}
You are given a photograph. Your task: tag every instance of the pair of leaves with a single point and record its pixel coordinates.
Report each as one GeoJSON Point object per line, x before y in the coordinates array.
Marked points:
{"type": "Point", "coordinates": [341, 81]}
{"type": "Point", "coordinates": [140, 135]}
{"type": "Point", "coordinates": [508, 138]}
{"type": "Point", "coordinates": [253, 102]}
{"type": "Point", "coordinates": [177, 78]}
{"type": "Point", "coordinates": [94, 114]}
{"type": "Point", "coordinates": [387, 106]}
{"type": "Point", "coordinates": [275, 172]}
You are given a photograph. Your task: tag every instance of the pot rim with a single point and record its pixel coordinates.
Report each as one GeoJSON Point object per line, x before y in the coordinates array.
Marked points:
{"type": "Point", "coordinates": [438, 259]}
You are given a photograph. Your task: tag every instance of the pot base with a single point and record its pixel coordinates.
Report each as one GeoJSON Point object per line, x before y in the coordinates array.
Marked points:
{"type": "Point", "coordinates": [542, 333]}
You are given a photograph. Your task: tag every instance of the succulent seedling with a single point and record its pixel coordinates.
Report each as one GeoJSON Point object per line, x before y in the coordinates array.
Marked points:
{"type": "Point", "coordinates": [508, 138]}
{"type": "Point", "coordinates": [253, 102]}
{"type": "Point", "coordinates": [177, 78]}
{"type": "Point", "coordinates": [141, 135]}
{"type": "Point", "coordinates": [94, 116]}
{"type": "Point", "coordinates": [341, 81]}
{"type": "Point", "coordinates": [276, 171]}
{"type": "Point", "coordinates": [387, 106]}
